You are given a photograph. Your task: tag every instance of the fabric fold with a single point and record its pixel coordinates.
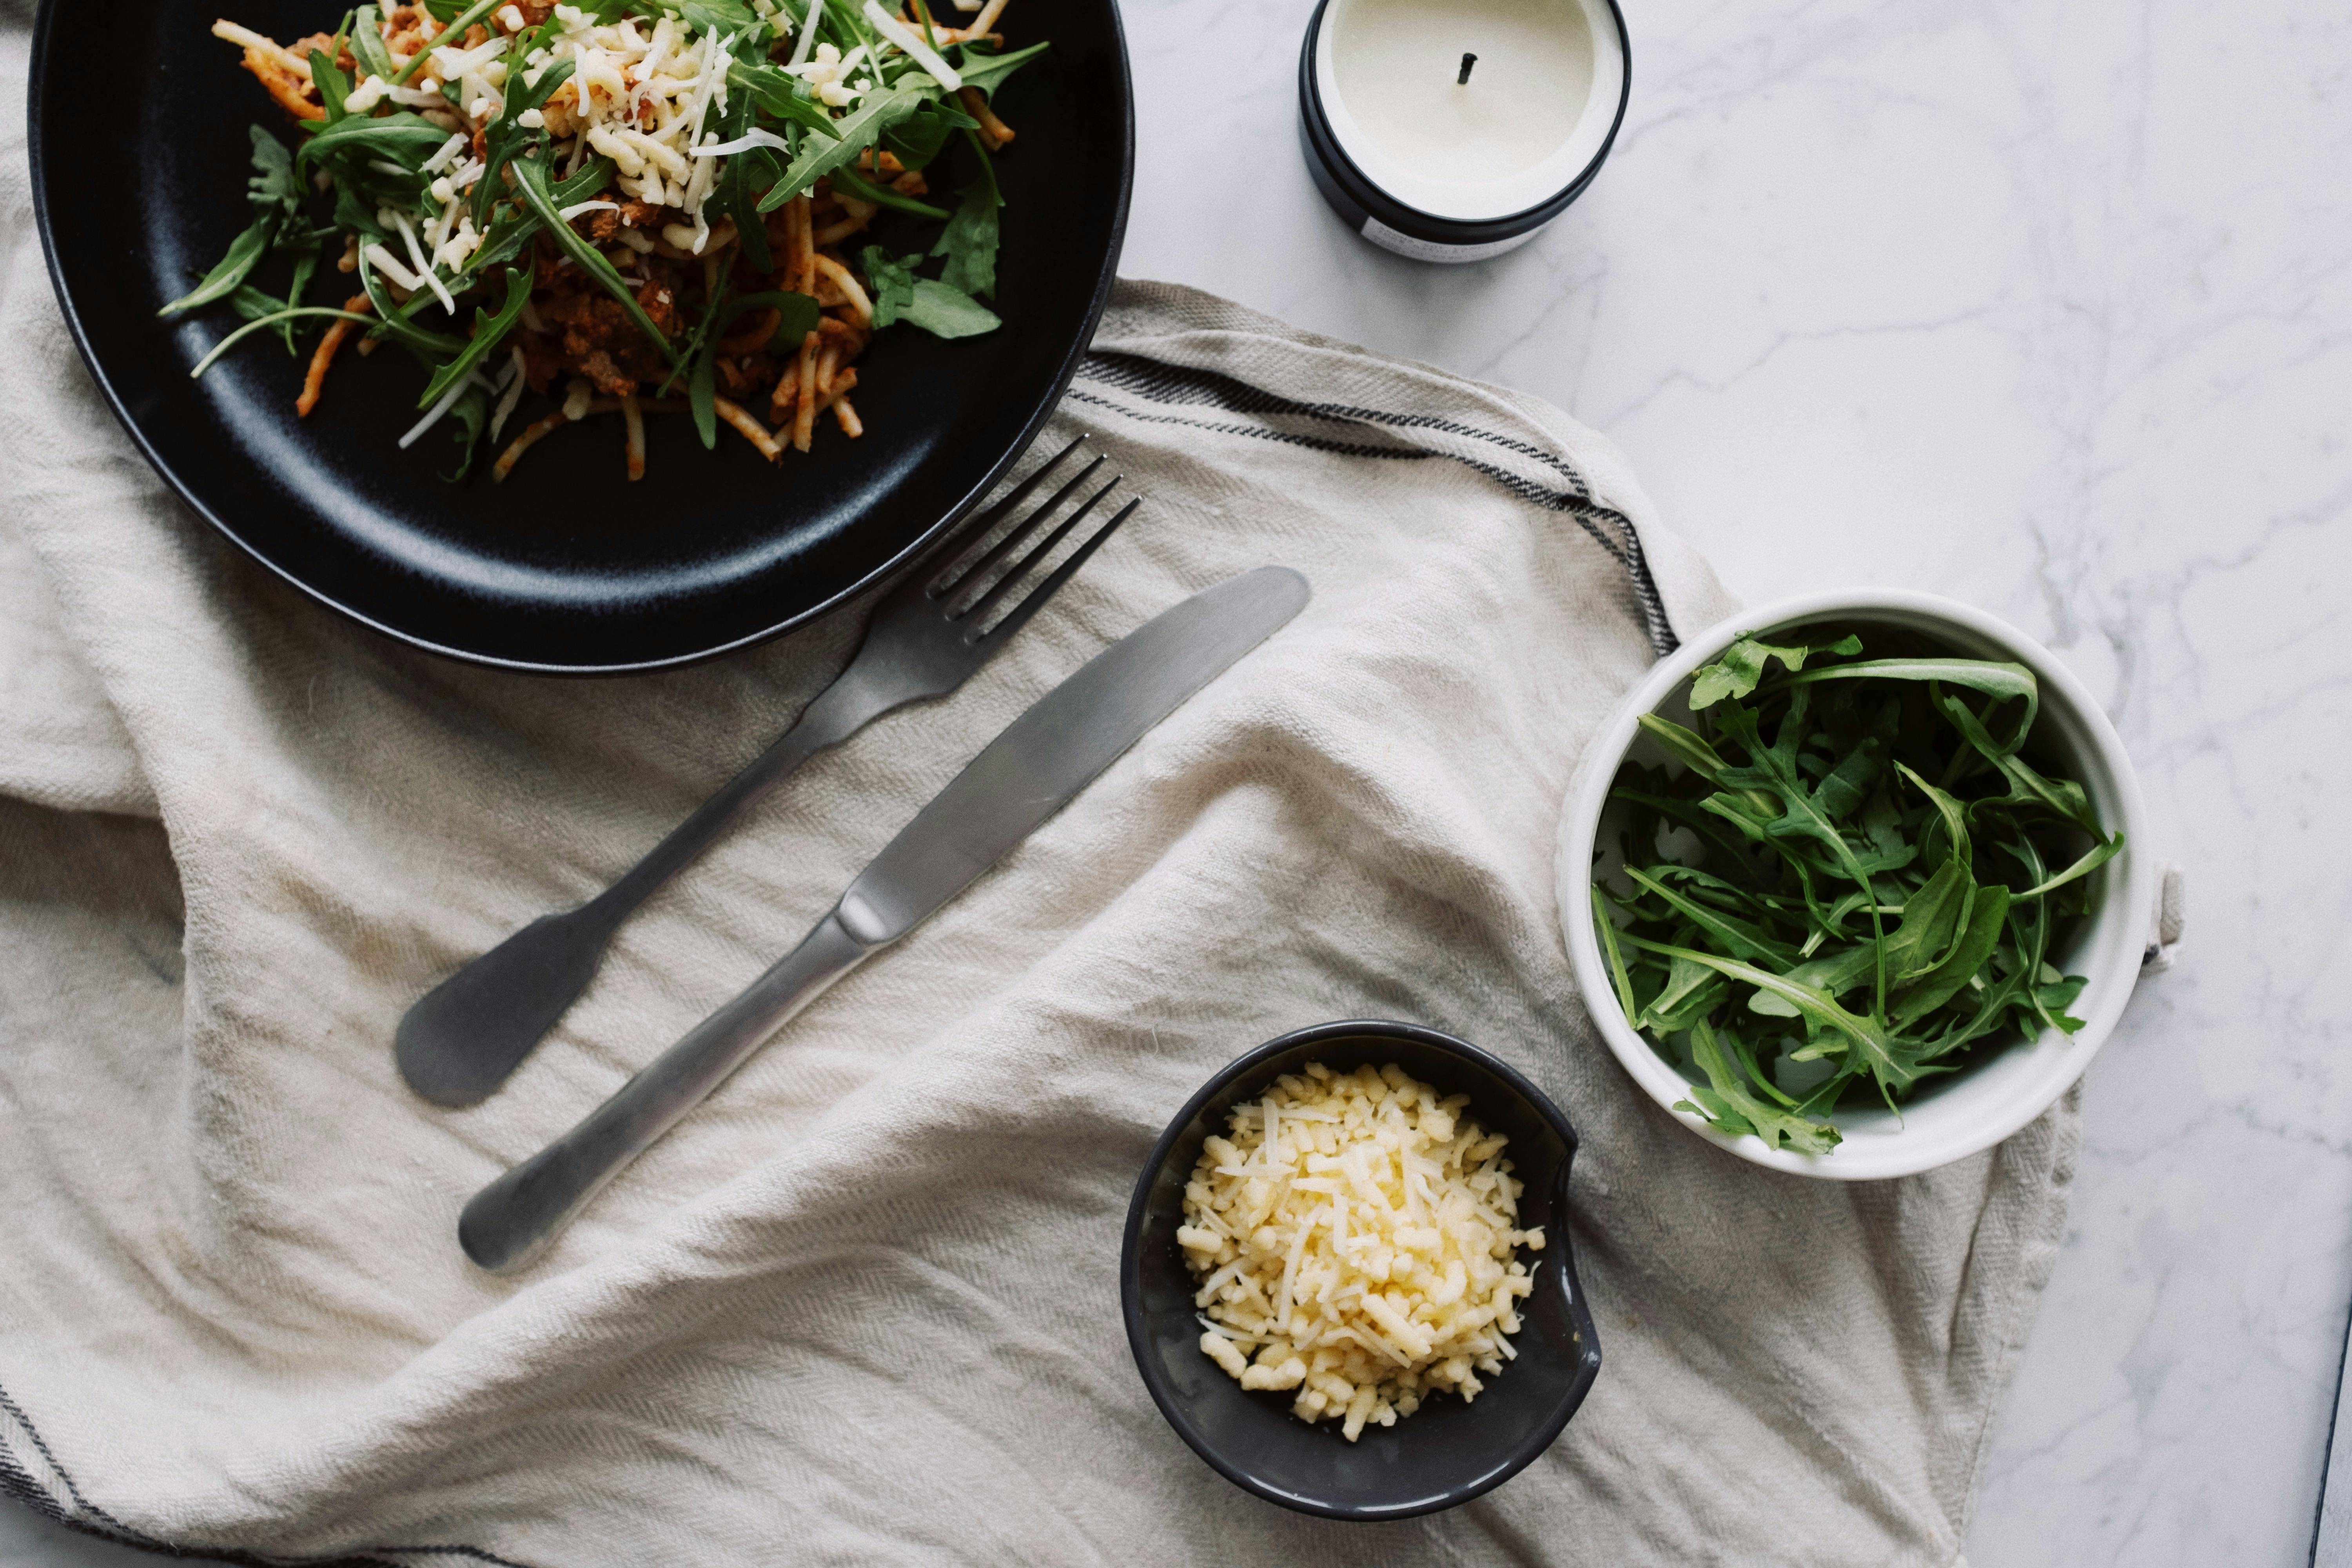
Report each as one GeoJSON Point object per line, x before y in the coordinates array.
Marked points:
{"type": "Point", "coordinates": [863, 1306]}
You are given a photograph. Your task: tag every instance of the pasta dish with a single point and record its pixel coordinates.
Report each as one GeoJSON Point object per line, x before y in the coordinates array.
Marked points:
{"type": "Point", "coordinates": [629, 207]}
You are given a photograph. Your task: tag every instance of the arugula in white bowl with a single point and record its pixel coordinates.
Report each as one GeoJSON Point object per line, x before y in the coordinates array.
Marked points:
{"type": "Point", "coordinates": [1850, 879]}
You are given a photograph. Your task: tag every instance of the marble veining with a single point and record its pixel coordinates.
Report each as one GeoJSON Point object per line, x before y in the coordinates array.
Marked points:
{"type": "Point", "coordinates": [2049, 308]}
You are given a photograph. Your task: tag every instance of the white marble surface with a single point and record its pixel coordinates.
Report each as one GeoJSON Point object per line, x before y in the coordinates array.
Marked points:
{"type": "Point", "coordinates": [2049, 308]}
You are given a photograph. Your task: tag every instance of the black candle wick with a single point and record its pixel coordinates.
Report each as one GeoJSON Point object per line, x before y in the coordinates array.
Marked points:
{"type": "Point", "coordinates": [1467, 61]}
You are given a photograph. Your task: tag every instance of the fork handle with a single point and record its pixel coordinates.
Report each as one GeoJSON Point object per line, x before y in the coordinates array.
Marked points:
{"type": "Point", "coordinates": [839, 711]}
{"type": "Point", "coordinates": [509, 1221]}
{"type": "Point", "coordinates": [460, 1040]}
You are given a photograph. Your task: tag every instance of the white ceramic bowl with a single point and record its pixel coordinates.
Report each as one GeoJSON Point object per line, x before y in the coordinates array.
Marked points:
{"type": "Point", "coordinates": [1948, 1118]}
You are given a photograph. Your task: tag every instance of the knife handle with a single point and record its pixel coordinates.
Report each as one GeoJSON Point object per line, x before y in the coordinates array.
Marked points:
{"type": "Point", "coordinates": [512, 1220]}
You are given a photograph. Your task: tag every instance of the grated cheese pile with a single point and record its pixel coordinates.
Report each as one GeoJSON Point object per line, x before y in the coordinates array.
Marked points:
{"type": "Point", "coordinates": [1354, 1233]}
{"type": "Point", "coordinates": [635, 97]}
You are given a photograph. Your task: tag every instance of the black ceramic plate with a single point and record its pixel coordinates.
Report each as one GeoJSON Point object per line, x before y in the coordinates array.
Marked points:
{"type": "Point", "coordinates": [139, 154]}
{"type": "Point", "coordinates": [1446, 1452]}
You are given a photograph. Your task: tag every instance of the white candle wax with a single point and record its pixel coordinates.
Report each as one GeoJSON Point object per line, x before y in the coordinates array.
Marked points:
{"type": "Point", "coordinates": [1383, 90]}
{"type": "Point", "coordinates": [1396, 64]}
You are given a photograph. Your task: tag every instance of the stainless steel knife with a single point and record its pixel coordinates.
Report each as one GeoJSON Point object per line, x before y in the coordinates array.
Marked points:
{"type": "Point", "coordinates": [1025, 776]}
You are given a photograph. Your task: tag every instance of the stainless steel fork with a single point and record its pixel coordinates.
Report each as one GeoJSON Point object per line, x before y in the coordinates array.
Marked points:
{"type": "Point", "coordinates": [464, 1037]}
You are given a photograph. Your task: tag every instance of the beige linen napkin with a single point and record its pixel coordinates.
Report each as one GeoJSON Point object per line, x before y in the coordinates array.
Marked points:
{"type": "Point", "coordinates": [863, 1306]}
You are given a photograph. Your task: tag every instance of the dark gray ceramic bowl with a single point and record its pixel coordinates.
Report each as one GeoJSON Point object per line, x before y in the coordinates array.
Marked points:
{"type": "Point", "coordinates": [1445, 1453]}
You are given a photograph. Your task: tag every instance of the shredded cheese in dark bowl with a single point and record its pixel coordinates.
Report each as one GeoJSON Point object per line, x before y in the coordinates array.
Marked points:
{"type": "Point", "coordinates": [1357, 1234]}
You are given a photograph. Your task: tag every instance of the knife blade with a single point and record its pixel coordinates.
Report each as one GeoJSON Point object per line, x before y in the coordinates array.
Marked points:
{"type": "Point", "coordinates": [1023, 776]}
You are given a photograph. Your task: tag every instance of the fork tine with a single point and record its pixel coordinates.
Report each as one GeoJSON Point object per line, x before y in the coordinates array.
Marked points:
{"type": "Point", "coordinates": [1018, 614]}
{"type": "Point", "coordinates": [977, 609]}
{"type": "Point", "coordinates": [977, 527]}
{"type": "Point", "coordinates": [1016, 618]}
{"type": "Point", "coordinates": [1012, 540]}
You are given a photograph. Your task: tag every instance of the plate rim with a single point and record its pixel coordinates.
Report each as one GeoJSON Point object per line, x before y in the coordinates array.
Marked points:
{"type": "Point", "coordinates": [1105, 279]}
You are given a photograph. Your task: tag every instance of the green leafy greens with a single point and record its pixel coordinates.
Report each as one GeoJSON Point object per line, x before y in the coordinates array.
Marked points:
{"type": "Point", "coordinates": [940, 309]}
{"type": "Point", "coordinates": [1840, 885]}
{"type": "Point", "coordinates": [277, 194]}
{"type": "Point", "coordinates": [486, 201]}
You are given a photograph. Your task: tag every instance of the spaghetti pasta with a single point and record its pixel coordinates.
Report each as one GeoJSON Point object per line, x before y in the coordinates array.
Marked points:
{"type": "Point", "coordinates": [634, 198]}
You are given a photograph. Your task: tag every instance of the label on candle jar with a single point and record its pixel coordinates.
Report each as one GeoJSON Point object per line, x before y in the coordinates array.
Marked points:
{"type": "Point", "coordinates": [1400, 66]}
{"type": "Point", "coordinates": [1405, 244]}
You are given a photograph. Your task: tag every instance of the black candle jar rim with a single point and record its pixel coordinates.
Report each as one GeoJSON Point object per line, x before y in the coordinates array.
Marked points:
{"type": "Point", "coordinates": [1342, 178]}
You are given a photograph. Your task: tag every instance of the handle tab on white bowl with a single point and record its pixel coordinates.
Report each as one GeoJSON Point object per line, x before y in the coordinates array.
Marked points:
{"type": "Point", "coordinates": [2166, 921]}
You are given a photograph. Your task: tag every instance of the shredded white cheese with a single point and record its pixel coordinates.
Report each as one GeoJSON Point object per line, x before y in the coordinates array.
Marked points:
{"type": "Point", "coordinates": [1356, 1234]}
{"type": "Point", "coordinates": [899, 33]}
{"type": "Point", "coordinates": [639, 101]}
{"type": "Point", "coordinates": [513, 382]}
{"type": "Point", "coordinates": [381, 260]}
{"type": "Point", "coordinates": [434, 415]}
{"type": "Point", "coordinates": [284, 57]}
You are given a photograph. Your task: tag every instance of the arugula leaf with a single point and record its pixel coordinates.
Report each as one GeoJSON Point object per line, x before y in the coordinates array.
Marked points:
{"type": "Point", "coordinates": [1833, 974]}
{"type": "Point", "coordinates": [987, 72]}
{"type": "Point", "coordinates": [306, 263]}
{"type": "Point", "coordinates": [848, 182]}
{"type": "Point", "coordinates": [780, 94]}
{"type": "Point", "coordinates": [1743, 938]}
{"type": "Point", "coordinates": [272, 186]}
{"type": "Point", "coordinates": [1727, 1102]}
{"type": "Point", "coordinates": [854, 133]}
{"type": "Point", "coordinates": [1997, 680]}
{"type": "Point", "coordinates": [245, 252]}
{"type": "Point", "coordinates": [1687, 747]}
{"type": "Point", "coordinates": [390, 320]}
{"type": "Point", "coordinates": [1882, 1052]}
{"type": "Point", "coordinates": [356, 215]}
{"type": "Point", "coordinates": [513, 230]}
{"type": "Point", "coordinates": [2063, 798]}
{"type": "Point", "coordinates": [273, 189]}
{"type": "Point", "coordinates": [533, 180]}
{"type": "Point", "coordinates": [925, 302]}
{"type": "Point", "coordinates": [712, 15]}
{"type": "Point", "coordinates": [2083, 868]}
{"type": "Point", "coordinates": [702, 400]}
{"type": "Point", "coordinates": [1618, 975]}
{"type": "Point", "coordinates": [1739, 667]}
{"type": "Point", "coordinates": [487, 331]}
{"type": "Point", "coordinates": [1933, 915]}
{"type": "Point", "coordinates": [400, 137]}
{"type": "Point", "coordinates": [333, 86]}
{"type": "Point", "coordinates": [968, 242]}
{"type": "Point", "coordinates": [891, 282]}
{"type": "Point", "coordinates": [917, 140]}
{"type": "Point", "coordinates": [1922, 995]}
{"type": "Point", "coordinates": [467, 418]}
{"type": "Point", "coordinates": [452, 31]}
{"type": "Point", "coordinates": [744, 175]}
{"type": "Point", "coordinates": [507, 136]}
{"type": "Point", "coordinates": [1954, 815]}
{"type": "Point", "coordinates": [251, 304]}
{"type": "Point", "coordinates": [367, 43]}
{"type": "Point", "coordinates": [1692, 992]}
{"type": "Point", "coordinates": [796, 318]}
